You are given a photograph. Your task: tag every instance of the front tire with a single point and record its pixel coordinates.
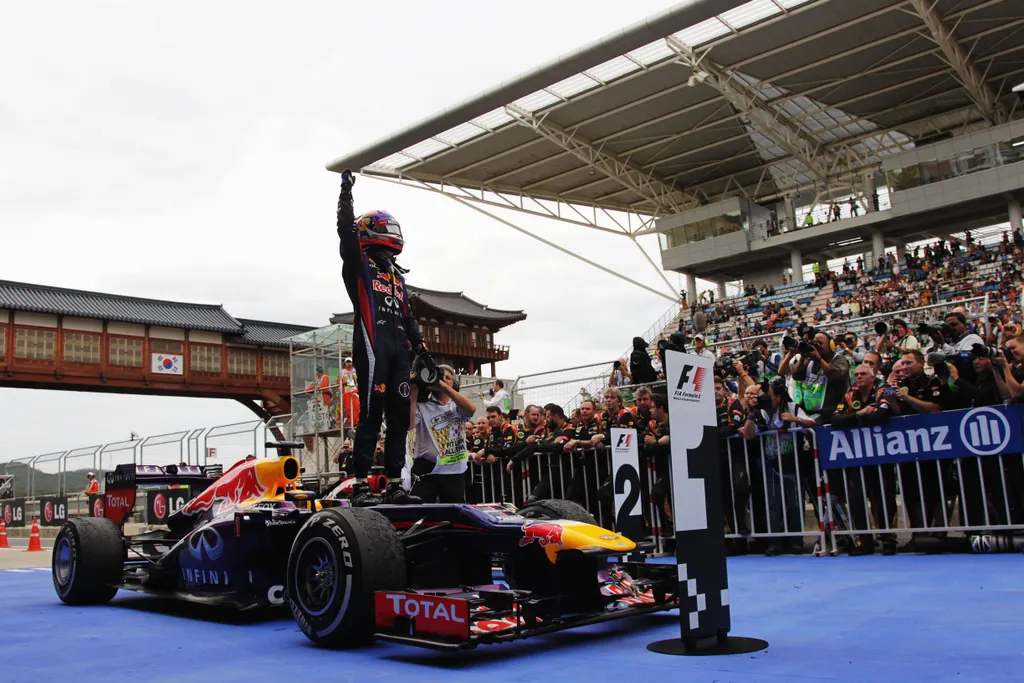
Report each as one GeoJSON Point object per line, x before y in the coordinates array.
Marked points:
{"type": "Point", "coordinates": [556, 508]}
{"type": "Point", "coordinates": [88, 559]}
{"type": "Point", "coordinates": [339, 559]}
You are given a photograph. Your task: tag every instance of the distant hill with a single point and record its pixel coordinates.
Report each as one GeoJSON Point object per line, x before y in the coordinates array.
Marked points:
{"type": "Point", "coordinates": [46, 483]}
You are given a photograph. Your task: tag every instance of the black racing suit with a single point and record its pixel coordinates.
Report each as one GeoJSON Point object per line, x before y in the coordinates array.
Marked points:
{"type": "Point", "coordinates": [386, 333]}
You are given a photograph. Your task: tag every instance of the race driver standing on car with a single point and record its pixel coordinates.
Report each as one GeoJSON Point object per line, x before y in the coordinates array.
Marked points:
{"type": "Point", "coordinates": [386, 335]}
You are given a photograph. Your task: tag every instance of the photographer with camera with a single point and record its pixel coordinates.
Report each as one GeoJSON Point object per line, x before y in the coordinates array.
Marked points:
{"type": "Point", "coordinates": [441, 454]}
{"type": "Point", "coordinates": [776, 411]}
{"type": "Point", "coordinates": [896, 341]}
{"type": "Point", "coordinates": [733, 476]}
{"type": "Point", "coordinates": [499, 398]}
{"type": "Point", "coordinates": [821, 376]}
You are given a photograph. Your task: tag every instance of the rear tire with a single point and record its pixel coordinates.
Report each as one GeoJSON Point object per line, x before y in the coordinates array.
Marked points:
{"type": "Point", "coordinates": [337, 562]}
{"type": "Point", "coordinates": [556, 508]}
{"type": "Point", "coordinates": [88, 560]}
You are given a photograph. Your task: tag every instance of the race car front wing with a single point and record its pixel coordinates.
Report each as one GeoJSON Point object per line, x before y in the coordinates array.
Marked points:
{"type": "Point", "coordinates": [461, 619]}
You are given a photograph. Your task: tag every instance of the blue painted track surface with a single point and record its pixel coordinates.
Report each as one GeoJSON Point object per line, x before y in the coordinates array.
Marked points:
{"type": "Point", "coordinates": [867, 619]}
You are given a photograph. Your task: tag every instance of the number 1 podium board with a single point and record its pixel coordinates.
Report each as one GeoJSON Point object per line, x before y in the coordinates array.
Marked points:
{"type": "Point", "coordinates": [697, 513]}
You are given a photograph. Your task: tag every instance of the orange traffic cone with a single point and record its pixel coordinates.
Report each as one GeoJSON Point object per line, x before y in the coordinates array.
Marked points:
{"type": "Point", "coordinates": [3, 535]}
{"type": "Point", "coordinates": [33, 540]}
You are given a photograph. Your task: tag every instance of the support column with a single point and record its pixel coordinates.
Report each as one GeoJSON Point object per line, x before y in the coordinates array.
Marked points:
{"type": "Point", "coordinates": [1015, 216]}
{"type": "Point", "coordinates": [869, 193]}
{"type": "Point", "coordinates": [721, 290]}
{"type": "Point", "coordinates": [691, 287]}
{"type": "Point", "coordinates": [797, 264]}
{"type": "Point", "coordinates": [877, 246]}
{"type": "Point", "coordinates": [790, 209]}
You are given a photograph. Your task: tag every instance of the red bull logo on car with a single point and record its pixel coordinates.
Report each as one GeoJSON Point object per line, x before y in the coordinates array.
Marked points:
{"type": "Point", "coordinates": [236, 486]}
{"type": "Point", "coordinates": [545, 533]}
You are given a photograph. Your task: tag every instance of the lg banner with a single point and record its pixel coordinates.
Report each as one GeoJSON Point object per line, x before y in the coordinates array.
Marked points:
{"type": "Point", "coordinates": [696, 498]}
{"type": "Point", "coordinates": [53, 510]}
{"type": "Point", "coordinates": [12, 511]}
{"type": "Point", "coordinates": [162, 503]}
{"type": "Point", "coordinates": [936, 436]}
{"type": "Point", "coordinates": [96, 505]}
{"type": "Point", "coordinates": [629, 518]}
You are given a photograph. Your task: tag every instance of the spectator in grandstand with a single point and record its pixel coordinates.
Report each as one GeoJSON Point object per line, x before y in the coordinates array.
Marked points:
{"type": "Point", "coordinates": [640, 367]}
{"type": "Point", "coordinates": [620, 376]}
{"type": "Point", "coordinates": [777, 411]}
{"type": "Point", "coordinates": [700, 350]}
{"type": "Point", "coordinates": [733, 478]}
{"type": "Point", "coordinates": [499, 397]}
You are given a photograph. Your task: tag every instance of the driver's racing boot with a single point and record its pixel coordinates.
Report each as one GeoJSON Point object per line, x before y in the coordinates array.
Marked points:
{"type": "Point", "coordinates": [362, 495]}
{"type": "Point", "coordinates": [396, 495]}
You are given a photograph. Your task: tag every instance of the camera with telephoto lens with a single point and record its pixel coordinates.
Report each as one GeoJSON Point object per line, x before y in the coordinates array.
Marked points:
{"type": "Point", "coordinates": [790, 343]}
{"type": "Point", "coordinates": [748, 359]}
{"type": "Point", "coordinates": [881, 328]}
{"type": "Point", "coordinates": [676, 342]}
{"type": "Point", "coordinates": [933, 329]}
{"type": "Point", "coordinates": [983, 351]}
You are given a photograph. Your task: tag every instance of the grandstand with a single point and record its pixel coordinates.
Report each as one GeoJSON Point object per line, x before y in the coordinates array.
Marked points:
{"type": "Point", "coordinates": [748, 136]}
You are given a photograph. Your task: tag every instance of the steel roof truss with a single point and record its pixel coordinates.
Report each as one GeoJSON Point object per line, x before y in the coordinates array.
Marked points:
{"type": "Point", "coordinates": [967, 72]}
{"type": "Point", "coordinates": [650, 186]}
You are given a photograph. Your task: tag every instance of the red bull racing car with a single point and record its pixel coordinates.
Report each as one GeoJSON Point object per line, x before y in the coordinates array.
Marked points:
{"type": "Point", "coordinates": [417, 574]}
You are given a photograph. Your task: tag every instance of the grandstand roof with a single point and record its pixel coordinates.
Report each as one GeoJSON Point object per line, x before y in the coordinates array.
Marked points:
{"type": "Point", "coordinates": [718, 97]}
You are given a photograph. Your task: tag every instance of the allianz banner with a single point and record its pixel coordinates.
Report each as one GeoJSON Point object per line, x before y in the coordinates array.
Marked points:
{"type": "Point", "coordinates": [992, 430]}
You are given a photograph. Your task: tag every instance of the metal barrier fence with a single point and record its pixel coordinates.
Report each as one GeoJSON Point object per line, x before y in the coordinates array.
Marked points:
{"type": "Point", "coordinates": [773, 489]}
{"type": "Point", "coordinates": [64, 472]}
{"type": "Point", "coordinates": [977, 495]}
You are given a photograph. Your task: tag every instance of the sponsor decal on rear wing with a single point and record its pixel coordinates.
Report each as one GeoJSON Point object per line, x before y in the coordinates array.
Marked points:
{"type": "Point", "coordinates": [413, 614]}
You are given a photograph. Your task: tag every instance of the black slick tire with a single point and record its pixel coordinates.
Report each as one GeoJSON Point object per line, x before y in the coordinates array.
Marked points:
{"type": "Point", "coordinates": [557, 509]}
{"type": "Point", "coordinates": [88, 560]}
{"type": "Point", "coordinates": [340, 557]}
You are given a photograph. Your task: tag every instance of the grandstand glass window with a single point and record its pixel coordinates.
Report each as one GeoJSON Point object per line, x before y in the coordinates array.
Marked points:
{"type": "Point", "coordinates": [204, 358]}
{"type": "Point", "coordinates": [241, 362]}
{"type": "Point", "coordinates": [174, 348]}
{"type": "Point", "coordinates": [275, 364]}
{"type": "Point", "coordinates": [34, 344]}
{"type": "Point", "coordinates": [125, 352]}
{"type": "Point", "coordinates": [82, 347]}
{"type": "Point", "coordinates": [702, 230]}
{"type": "Point", "coordinates": [956, 165]}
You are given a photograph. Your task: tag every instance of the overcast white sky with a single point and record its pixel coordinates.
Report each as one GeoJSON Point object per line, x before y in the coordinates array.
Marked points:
{"type": "Point", "coordinates": [177, 151]}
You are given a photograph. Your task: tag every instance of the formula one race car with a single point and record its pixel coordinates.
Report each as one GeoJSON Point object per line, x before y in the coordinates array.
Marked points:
{"type": "Point", "coordinates": [418, 574]}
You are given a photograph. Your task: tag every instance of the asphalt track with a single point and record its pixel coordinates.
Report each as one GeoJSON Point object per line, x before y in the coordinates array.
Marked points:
{"type": "Point", "coordinates": [864, 619]}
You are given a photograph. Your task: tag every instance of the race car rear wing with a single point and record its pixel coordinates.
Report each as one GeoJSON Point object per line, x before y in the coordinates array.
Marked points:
{"type": "Point", "coordinates": [122, 484]}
